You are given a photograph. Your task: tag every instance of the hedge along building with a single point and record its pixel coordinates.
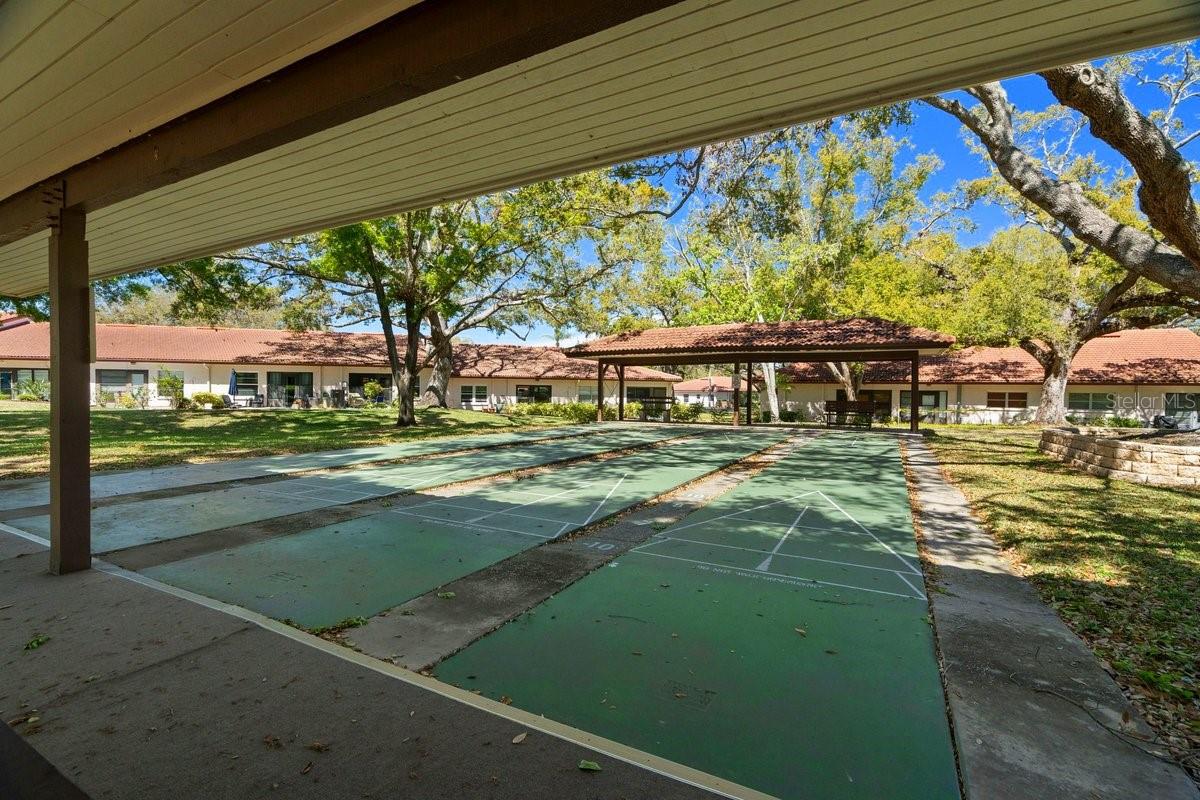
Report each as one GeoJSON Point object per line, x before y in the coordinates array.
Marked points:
{"type": "Point", "coordinates": [281, 366]}
{"type": "Point", "coordinates": [147, 133]}
{"type": "Point", "coordinates": [1135, 374]}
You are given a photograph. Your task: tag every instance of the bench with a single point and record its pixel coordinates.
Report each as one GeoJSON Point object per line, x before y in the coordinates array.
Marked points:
{"type": "Point", "coordinates": [852, 413]}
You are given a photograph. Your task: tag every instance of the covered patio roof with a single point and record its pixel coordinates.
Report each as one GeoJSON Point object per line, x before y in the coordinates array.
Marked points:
{"type": "Point", "coordinates": [865, 339]}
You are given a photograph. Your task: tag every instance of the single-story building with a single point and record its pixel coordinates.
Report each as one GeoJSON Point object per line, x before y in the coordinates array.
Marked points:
{"type": "Point", "coordinates": [714, 391]}
{"type": "Point", "coordinates": [277, 367]}
{"type": "Point", "coordinates": [1136, 374]}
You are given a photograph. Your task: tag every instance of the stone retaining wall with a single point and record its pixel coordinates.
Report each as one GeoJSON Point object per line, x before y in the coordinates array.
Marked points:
{"type": "Point", "coordinates": [1136, 461]}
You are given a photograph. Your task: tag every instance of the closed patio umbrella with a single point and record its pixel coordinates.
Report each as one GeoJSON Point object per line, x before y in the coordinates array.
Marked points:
{"type": "Point", "coordinates": [232, 383]}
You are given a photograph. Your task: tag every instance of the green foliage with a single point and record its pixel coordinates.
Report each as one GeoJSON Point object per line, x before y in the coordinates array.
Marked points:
{"type": "Point", "coordinates": [208, 398]}
{"type": "Point", "coordinates": [26, 397]}
{"type": "Point", "coordinates": [1123, 422]}
{"type": "Point", "coordinates": [170, 385]}
{"type": "Point", "coordinates": [127, 401]}
{"type": "Point", "coordinates": [185, 404]}
{"type": "Point", "coordinates": [34, 389]}
{"type": "Point", "coordinates": [104, 397]}
{"type": "Point", "coordinates": [686, 412]}
{"type": "Point", "coordinates": [372, 390]}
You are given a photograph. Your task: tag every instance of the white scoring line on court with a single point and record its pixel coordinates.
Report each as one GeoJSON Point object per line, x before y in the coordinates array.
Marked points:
{"type": "Point", "coordinates": [739, 513]}
{"type": "Point", "coordinates": [605, 500]}
{"type": "Point", "coordinates": [798, 578]}
{"type": "Point", "coordinates": [447, 504]}
{"type": "Point", "coordinates": [467, 525]}
{"type": "Point", "coordinates": [883, 544]}
{"type": "Point", "coordinates": [701, 542]}
{"type": "Point", "coordinates": [766, 564]}
{"type": "Point", "coordinates": [534, 501]}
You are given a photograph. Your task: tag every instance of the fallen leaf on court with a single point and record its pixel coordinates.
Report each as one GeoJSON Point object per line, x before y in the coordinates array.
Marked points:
{"type": "Point", "coordinates": [407, 612]}
{"type": "Point", "coordinates": [318, 747]}
{"type": "Point", "coordinates": [681, 694]}
{"type": "Point", "coordinates": [831, 652]}
{"type": "Point", "coordinates": [447, 595]}
{"type": "Point", "coordinates": [506, 700]}
{"type": "Point", "coordinates": [637, 652]}
{"type": "Point", "coordinates": [307, 768]}
{"type": "Point", "coordinates": [589, 766]}
{"type": "Point", "coordinates": [801, 631]}
{"type": "Point", "coordinates": [520, 737]}
{"type": "Point", "coordinates": [665, 585]}
{"type": "Point", "coordinates": [272, 742]}
{"type": "Point", "coordinates": [37, 641]}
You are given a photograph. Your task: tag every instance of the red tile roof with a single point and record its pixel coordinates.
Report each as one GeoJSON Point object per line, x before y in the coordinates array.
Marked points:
{"type": "Point", "coordinates": [1153, 356]}
{"type": "Point", "coordinates": [766, 336]}
{"type": "Point", "coordinates": [192, 345]}
{"type": "Point", "coordinates": [722, 383]}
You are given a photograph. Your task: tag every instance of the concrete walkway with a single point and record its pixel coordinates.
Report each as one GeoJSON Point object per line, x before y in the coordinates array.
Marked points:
{"type": "Point", "coordinates": [139, 692]}
{"type": "Point", "coordinates": [1034, 713]}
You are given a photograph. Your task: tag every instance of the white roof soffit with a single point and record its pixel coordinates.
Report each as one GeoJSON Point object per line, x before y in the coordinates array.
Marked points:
{"type": "Point", "coordinates": [695, 72]}
{"type": "Point", "coordinates": [78, 77]}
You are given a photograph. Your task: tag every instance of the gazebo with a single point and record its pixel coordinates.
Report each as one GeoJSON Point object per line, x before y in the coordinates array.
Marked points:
{"type": "Point", "coordinates": [863, 339]}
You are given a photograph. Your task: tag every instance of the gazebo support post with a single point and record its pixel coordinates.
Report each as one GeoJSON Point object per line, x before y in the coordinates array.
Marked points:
{"type": "Point", "coordinates": [600, 369]}
{"type": "Point", "coordinates": [737, 393]}
{"type": "Point", "coordinates": [70, 407]}
{"type": "Point", "coordinates": [620, 392]}
{"type": "Point", "coordinates": [914, 397]}
{"type": "Point", "coordinates": [749, 393]}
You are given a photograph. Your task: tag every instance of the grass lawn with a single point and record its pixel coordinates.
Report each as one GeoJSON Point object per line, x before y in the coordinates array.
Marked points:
{"type": "Point", "coordinates": [1118, 561]}
{"type": "Point", "coordinates": [126, 439]}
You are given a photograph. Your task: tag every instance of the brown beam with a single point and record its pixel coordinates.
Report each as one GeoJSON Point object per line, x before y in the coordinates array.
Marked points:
{"type": "Point", "coordinates": [601, 368]}
{"type": "Point", "coordinates": [620, 391]}
{"type": "Point", "coordinates": [418, 51]}
{"type": "Point", "coordinates": [784, 357]}
{"type": "Point", "coordinates": [749, 393]}
{"type": "Point", "coordinates": [737, 394]}
{"type": "Point", "coordinates": [70, 432]}
{"type": "Point", "coordinates": [914, 399]}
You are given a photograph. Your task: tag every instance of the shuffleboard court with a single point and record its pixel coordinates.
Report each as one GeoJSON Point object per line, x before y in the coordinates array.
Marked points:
{"type": "Point", "coordinates": [27, 493]}
{"type": "Point", "coordinates": [158, 519]}
{"type": "Point", "coordinates": [777, 638]}
{"type": "Point", "coordinates": [366, 565]}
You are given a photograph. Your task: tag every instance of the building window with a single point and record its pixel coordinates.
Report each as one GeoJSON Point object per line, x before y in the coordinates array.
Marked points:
{"type": "Point", "coordinates": [636, 393]}
{"type": "Point", "coordinates": [13, 380]}
{"type": "Point", "coordinates": [118, 381]}
{"type": "Point", "coordinates": [356, 381]}
{"type": "Point", "coordinates": [1182, 402]}
{"type": "Point", "coordinates": [933, 406]}
{"type": "Point", "coordinates": [468, 394]}
{"type": "Point", "coordinates": [1091, 401]}
{"type": "Point", "coordinates": [1008, 400]}
{"type": "Point", "coordinates": [246, 383]}
{"type": "Point", "coordinates": [587, 393]}
{"type": "Point", "coordinates": [533, 393]}
{"type": "Point", "coordinates": [285, 388]}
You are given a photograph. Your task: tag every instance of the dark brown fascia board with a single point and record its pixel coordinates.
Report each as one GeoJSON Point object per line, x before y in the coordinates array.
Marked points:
{"type": "Point", "coordinates": [427, 47]}
{"type": "Point", "coordinates": [756, 356]}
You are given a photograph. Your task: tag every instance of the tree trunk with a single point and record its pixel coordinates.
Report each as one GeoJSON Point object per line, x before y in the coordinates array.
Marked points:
{"type": "Point", "coordinates": [771, 389]}
{"type": "Point", "coordinates": [443, 362]}
{"type": "Point", "coordinates": [407, 414]}
{"type": "Point", "coordinates": [849, 377]}
{"type": "Point", "coordinates": [1052, 409]}
{"type": "Point", "coordinates": [389, 339]}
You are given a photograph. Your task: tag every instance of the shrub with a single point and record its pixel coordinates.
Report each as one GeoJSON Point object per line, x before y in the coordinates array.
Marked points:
{"type": "Point", "coordinates": [126, 401]}
{"type": "Point", "coordinates": [721, 414]}
{"type": "Point", "coordinates": [632, 411]}
{"type": "Point", "coordinates": [40, 390]}
{"type": "Point", "coordinates": [185, 404]}
{"type": "Point", "coordinates": [104, 397]}
{"type": "Point", "coordinates": [1124, 422]}
{"type": "Point", "coordinates": [372, 390]}
{"type": "Point", "coordinates": [170, 386]}
{"type": "Point", "coordinates": [26, 397]}
{"type": "Point", "coordinates": [788, 416]}
{"type": "Point", "coordinates": [140, 396]}
{"type": "Point", "coordinates": [208, 398]}
{"type": "Point", "coordinates": [686, 412]}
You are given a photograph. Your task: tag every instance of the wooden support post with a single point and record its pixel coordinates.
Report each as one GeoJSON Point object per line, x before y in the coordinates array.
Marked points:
{"type": "Point", "coordinates": [750, 394]}
{"type": "Point", "coordinates": [737, 394]}
{"type": "Point", "coordinates": [71, 335]}
{"type": "Point", "coordinates": [914, 395]}
{"type": "Point", "coordinates": [620, 391]}
{"type": "Point", "coordinates": [600, 368]}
